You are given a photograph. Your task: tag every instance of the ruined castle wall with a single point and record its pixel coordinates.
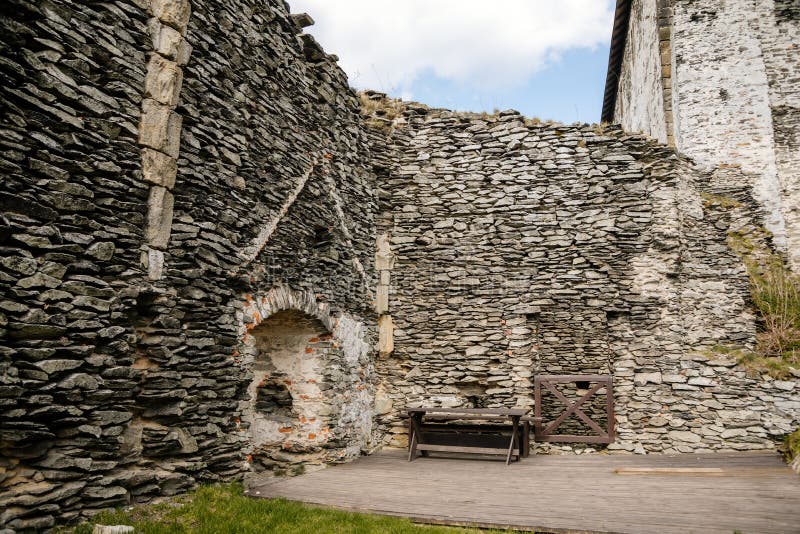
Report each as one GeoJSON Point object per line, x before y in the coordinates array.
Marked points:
{"type": "Point", "coordinates": [730, 89]}
{"type": "Point", "coordinates": [73, 221]}
{"type": "Point", "coordinates": [779, 32]}
{"type": "Point", "coordinates": [127, 299]}
{"type": "Point", "coordinates": [640, 104]}
{"type": "Point", "coordinates": [523, 249]}
{"type": "Point", "coordinates": [189, 192]}
{"type": "Point", "coordinates": [721, 94]}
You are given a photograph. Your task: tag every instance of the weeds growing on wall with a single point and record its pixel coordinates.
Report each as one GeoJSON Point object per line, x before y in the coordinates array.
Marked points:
{"type": "Point", "coordinates": [791, 446]}
{"type": "Point", "coordinates": [380, 111]}
{"type": "Point", "coordinates": [775, 293]}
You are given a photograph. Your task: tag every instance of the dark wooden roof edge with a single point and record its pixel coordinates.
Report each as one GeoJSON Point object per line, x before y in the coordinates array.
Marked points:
{"type": "Point", "coordinates": [619, 35]}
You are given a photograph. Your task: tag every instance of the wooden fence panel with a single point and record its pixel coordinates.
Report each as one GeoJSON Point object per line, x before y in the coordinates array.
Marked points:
{"type": "Point", "coordinates": [545, 431]}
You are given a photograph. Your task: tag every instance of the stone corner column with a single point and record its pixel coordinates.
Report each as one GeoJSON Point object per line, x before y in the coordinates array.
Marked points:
{"type": "Point", "coordinates": [160, 125]}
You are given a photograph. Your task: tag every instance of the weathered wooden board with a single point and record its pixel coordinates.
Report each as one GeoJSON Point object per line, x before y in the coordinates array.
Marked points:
{"type": "Point", "coordinates": [755, 494]}
{"type": "Point", "coordinates": [698, 471]}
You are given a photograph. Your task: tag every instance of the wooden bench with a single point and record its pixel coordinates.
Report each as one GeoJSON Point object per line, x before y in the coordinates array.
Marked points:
{"type": "Point", "coordinates": [478, 431]}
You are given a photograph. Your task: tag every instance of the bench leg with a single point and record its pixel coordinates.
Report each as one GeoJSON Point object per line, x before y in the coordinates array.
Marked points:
{"type": "Point", "coordinates": [412, 445]}
{"type": "Point", "coordinates": [526, 439]}
{"type": "Point", "coordinates": [514, 425]}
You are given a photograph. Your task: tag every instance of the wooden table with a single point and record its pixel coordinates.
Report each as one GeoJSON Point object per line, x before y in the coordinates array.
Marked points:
{"type": "Point", "coordinates": [519, 445]}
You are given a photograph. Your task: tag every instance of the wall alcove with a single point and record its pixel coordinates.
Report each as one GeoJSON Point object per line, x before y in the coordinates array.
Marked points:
{"type": "Point", "coordinates": [310, 396]}
{"type": "Point", "coordinates": [289, 409]}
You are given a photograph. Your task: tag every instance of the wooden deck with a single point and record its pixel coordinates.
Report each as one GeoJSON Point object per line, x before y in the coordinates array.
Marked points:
{"type": "Point", "coordinates": [748, 493]}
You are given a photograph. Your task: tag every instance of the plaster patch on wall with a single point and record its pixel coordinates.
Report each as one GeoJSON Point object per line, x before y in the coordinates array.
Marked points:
{"type": "Point", "coordinates": [639, 104]}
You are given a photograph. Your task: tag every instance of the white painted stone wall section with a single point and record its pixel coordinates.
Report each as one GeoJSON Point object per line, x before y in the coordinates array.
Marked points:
{"type": "Point", "coordinates": [639, 105]}
{"type": "Point", "coordinates": [780, 43]}
{"type": "Point", "coordinates": [721, 95]}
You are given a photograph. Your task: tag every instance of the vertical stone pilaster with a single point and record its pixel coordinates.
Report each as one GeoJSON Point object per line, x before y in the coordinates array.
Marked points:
{"type": "Point", "coordinates": [385, 334]}
{"type": "Point", "coordinates": [384, 263]}
{"type": "Point", "coordinates": [160, 125]}
{"type": "Point", "coordinates": [665, 51]}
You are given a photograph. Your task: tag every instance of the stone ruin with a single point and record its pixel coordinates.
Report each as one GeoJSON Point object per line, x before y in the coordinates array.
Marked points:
{"type": "Point", "coordinates": [218, 258]}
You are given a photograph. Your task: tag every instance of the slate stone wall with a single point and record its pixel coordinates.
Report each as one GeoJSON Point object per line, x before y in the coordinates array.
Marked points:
{"type": "Point", "coordinates": [728, 77]}
{"type": "Point", "coordinates": [523, 248]}
{"type": "Point", "coordinates": [175, 174]}
{"type": "Point", "coordinates": [121, 382]}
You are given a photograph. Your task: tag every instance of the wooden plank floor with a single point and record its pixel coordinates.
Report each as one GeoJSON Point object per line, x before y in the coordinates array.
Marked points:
{"type": "Point", "coordinates": [753, 493]}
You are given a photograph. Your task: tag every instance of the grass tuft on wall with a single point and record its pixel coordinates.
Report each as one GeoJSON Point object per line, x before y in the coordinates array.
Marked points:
{"type": "Point", "coordinates": [775, 293]}
{"type": "Point", "coordinates": [791, 450]}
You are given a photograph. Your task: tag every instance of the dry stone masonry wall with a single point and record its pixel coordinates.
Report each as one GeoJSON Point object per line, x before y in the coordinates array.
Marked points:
{"type": "Point", "coordinates": [212, 263]}
{"type": "Point", "coordinates": [123, 379]}
{"type": "Point", "coordinates": [523, 248]}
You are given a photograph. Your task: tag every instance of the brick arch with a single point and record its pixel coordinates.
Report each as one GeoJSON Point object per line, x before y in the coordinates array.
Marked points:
{"type": "Point", "coordinates": [345, 350]}
{"type": "Point", "coordinates": [257, 308]}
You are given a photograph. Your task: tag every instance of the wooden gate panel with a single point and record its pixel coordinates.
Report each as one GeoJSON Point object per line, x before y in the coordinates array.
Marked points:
{"type": "Point", "coordinates": [544, 431]}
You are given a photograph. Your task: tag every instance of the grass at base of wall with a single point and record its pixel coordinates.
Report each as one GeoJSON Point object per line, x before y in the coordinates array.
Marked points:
{"type": "Point", "coordinates": [224, 508]}
{"type": "Point", "coordinates": [791, 446]}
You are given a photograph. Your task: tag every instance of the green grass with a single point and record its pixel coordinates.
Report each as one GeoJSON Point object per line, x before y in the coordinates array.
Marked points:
{"type": "Point", "coordinates": [791, 446]}
{"type": "Point", "coordinates": [224, 508]}
{"type": "Point", "coordinates": [775, 293]}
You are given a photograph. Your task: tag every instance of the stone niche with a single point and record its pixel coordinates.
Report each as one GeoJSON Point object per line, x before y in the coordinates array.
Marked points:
{"type": "Point", "coordinates": [310, 397]}
{"type": "Point", "coordinates": [289, 409]}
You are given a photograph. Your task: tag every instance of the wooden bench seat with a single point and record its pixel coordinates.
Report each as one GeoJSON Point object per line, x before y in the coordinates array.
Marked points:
{"type": "Point", "coordinates": [493, 431]}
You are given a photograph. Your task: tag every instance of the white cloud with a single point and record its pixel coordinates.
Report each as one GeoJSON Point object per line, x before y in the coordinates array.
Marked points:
{"type": "Point", "coordinates": [387, 44]}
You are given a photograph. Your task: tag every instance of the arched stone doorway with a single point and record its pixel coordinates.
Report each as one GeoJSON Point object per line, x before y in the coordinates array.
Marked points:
{"type": "Point", "coordinates": [310, 400]}
{"type": "Point", "coordinates": [289, 410]}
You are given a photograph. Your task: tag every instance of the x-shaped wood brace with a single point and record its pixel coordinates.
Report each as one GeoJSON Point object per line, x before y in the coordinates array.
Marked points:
{"type": "Point", "coordinates": [574, 408]}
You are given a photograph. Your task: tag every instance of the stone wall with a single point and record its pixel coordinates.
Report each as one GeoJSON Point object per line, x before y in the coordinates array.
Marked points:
{"type": "Point", "coordinates": [731, 93]}
{"type": "Point", "coordinates": [211, 264]}
{"type": "Point", "coordinates": [167, 165]}
{"type": "Point", "coordinates": [779, 27]}
{"type": "Point", "coordinates": [522, 248]}
{"type": "Point", "coordinates": [723, 112]}
{"type": "Point", "coordinates": [640, 103]}
{"type": "Point", "coordinates": [310, 401]}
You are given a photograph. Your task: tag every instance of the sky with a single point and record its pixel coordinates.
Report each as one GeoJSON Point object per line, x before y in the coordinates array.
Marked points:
{"type": "Point", "coordinates": [544, 58]}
